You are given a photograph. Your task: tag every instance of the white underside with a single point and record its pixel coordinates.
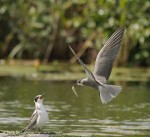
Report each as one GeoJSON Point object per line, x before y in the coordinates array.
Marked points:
{"type": "Point", "coordinates": [42, 119]}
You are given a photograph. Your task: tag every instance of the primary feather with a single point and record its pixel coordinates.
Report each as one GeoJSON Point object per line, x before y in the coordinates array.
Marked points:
{"type": "Point", "coordinates": [107, 55]}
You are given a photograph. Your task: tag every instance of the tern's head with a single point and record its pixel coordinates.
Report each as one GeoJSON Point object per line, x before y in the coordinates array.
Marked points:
{"type": "Point", "coordinates": [82, 82]}
{"type": "Point", "coordinates": [38, 98]}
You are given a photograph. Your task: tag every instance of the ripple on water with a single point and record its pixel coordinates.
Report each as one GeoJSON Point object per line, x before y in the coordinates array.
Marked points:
{"type": "Point", "coordinates": [83, 116]}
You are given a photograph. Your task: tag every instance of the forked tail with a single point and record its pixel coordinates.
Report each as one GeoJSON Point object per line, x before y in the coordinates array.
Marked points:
{"type": "Point", "coordinates": [108, 92]}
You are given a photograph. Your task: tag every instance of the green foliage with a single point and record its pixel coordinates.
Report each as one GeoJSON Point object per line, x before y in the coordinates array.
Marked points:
{"type": "Point", "coordinates": [31, 29]}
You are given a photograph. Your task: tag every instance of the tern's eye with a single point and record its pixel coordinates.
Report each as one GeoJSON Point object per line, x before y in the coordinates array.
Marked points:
{"type": "Point", "coordinates": [79, 81]}
{"type": "Point", "coordinates": [35, 99]}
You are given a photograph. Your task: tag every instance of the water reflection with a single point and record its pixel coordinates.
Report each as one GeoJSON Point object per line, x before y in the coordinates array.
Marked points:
{"type": "Point", "coordinates": [128, 114]}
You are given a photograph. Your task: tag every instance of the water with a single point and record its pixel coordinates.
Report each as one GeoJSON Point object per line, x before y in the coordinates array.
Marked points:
{"type": "Point", "coordinates": [128, 114]}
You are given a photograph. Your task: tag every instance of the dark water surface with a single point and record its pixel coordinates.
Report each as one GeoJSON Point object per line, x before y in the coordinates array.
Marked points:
{"type": "Point", "coordinates": [128, 114]}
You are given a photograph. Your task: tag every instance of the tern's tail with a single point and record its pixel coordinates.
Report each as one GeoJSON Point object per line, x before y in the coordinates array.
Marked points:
{"type": "Point", "coordinates": [108, 92]}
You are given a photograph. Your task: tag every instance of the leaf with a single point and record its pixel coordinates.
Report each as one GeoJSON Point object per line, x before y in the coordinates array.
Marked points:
{"type": "Point", "coordinates": [15, 50]}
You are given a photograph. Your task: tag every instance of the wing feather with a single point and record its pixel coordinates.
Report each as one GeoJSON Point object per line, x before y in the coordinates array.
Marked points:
{"type": "Point", "coordinates": [33, 121]}
{"type": "Point", "coordinates": [88, 72]}
{"type": "Point", "coordinates": [107, 55]}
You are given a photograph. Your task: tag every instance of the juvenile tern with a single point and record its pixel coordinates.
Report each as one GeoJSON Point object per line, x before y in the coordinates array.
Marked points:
{"type": "Point", "coordinates": [39, 116]}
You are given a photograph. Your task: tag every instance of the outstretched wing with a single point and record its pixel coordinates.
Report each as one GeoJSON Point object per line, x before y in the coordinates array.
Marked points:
{"type": "Point", "coordinates": [88, 72]}
{"type": "Point", "coordinates": [108, 54]}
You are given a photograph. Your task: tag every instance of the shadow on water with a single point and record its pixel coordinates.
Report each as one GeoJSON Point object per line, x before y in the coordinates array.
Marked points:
{"type": "Point", "coordinates": [85, 115]}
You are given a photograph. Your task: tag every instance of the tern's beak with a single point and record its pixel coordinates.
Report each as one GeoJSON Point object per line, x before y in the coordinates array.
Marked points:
{"type": "Point", "coordinates": [79, 84]}
{"type": "Point", "coordinates": [42, 98]}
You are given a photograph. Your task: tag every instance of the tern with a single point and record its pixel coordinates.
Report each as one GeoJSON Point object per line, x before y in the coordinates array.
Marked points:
{"type": "Point", "coordinates": [39, 116]}
{"type": "Point", "coordinates": [102, 70]}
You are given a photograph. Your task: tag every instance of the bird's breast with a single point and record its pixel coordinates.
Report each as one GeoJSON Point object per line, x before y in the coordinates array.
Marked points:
{"type": "Point", "coordinates": [42, 118]}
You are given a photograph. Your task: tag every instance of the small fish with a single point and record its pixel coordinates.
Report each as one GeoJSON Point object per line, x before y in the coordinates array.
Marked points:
{"type": "Point", "coordinates": [73, 89]}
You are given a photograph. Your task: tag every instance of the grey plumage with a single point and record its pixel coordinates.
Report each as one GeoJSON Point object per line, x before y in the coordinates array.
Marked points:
{"type": "Point", "coordinates": [33, 121]}
{"type": "Point", "coordinates": [103, 66]}
{"type": "Point", "coordinates": [107, 55]}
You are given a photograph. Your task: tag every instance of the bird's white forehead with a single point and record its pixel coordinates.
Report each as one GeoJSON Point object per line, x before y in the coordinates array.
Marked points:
{"type": "Point", "coordinates": [37, 97]}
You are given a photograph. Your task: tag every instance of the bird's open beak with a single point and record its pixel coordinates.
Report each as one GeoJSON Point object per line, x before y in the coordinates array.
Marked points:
{"type": "Point", "coordinates": [42, 96]}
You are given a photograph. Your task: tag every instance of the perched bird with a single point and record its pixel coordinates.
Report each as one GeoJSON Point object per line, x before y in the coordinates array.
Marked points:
{"type": "Point", "coordinates": [39, 116]}
{"type": "Point", "coordinates": [102, 70]}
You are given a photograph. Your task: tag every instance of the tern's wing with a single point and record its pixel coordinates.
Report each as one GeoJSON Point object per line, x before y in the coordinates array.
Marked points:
{"type": "Point", "coordinates": [33, 121]}
{"type": "Point", "coordinates": [88, 72]}
{"type": "Point", "coordinates": [108, 54]}
{"type": "Point", "coordinates": [33, 115]}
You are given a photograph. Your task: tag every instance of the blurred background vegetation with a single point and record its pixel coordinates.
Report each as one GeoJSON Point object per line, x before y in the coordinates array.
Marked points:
{"type": "Point", "coordinates": [43, 29]}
